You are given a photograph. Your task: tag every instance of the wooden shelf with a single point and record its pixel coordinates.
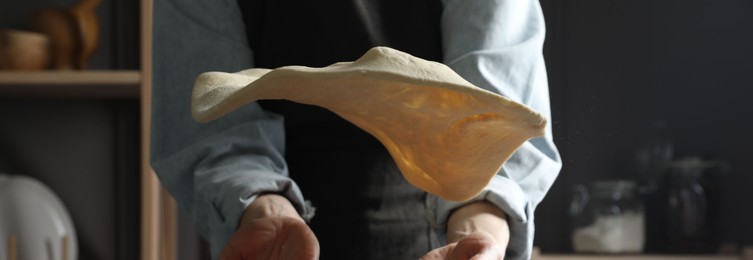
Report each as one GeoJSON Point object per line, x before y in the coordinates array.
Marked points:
{"type": "Point", "coordinates": [746, 254]}
{"type": "Point", "coordinates": [80, 84]}
{"type": "Point", "coordinates": [93, 77]}
{"type": "Point", "coordinates": [637, 257]}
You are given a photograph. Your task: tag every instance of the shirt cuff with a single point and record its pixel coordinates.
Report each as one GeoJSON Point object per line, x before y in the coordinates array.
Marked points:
{"type": "Point", "coordinates": [238, 197]}
{"type": "Point", "coordinates": [503, 193]}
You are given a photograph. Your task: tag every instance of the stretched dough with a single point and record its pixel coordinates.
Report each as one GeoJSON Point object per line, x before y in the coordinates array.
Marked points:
{"type": "Point", "coordinates": [447, 136]}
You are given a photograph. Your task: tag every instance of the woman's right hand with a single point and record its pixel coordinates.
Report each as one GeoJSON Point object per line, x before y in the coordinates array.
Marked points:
{"type": "Point", "coordinates": [271, 229]}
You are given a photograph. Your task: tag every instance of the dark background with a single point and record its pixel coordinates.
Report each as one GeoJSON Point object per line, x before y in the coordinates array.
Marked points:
{"type": "Point", "coordinates": [616, 67]}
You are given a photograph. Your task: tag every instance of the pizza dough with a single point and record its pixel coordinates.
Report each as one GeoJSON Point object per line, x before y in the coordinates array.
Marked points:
{"type": "Point", "coordinates": [447, 136]}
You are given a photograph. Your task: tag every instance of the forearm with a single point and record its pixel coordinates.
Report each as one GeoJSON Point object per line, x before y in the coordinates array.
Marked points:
{"type": "Point", "coordinates": [497, 45]}
{"type": "Point", "coordinates": [478, 217]}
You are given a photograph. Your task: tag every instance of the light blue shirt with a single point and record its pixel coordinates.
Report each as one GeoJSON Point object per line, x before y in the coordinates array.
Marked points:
{"type": "Point", "coordinates": [215, 170]}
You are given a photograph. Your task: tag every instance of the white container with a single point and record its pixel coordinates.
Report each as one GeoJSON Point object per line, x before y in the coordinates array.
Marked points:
{"type": "Point", "coordinates": [35, 218]}
{"type": "Point", "coordinates": [607, 217]}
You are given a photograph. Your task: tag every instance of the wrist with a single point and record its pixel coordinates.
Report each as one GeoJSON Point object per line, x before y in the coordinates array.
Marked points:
{"type": "Point", "coordinates": [476, 217]}
{"type": "Point", "coordinates": [268, 205]}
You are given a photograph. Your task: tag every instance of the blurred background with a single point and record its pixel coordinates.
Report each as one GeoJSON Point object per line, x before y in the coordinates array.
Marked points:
{"type": "Point", "coordinates": [637, 83]}
{"type": "Point", "coordinates": [650, 107]}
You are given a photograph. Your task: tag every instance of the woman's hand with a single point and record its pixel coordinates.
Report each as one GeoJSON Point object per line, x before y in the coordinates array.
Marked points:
{"type": "Point", "coordinates": [476, 231]}
{"type": "Point", "coordinates": [271, 229]}
{"type": "Point", "coordinates": [477, 246]}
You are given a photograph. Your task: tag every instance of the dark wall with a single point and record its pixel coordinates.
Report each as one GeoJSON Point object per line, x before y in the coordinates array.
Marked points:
{"type": "Point", "coordinates": [616, 67]}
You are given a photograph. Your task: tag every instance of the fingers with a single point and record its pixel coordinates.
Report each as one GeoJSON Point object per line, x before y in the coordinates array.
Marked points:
{"type": "Point", "coordinates": [273, 238]}
{"type": "Point", "coordinates": [299, 243]}
{"type": "Point", "coordinates": [230, 253]}
{"type": "Point", "coordinates": [439, 253]}
{"type": "Point", "coordinates": [475, 246]}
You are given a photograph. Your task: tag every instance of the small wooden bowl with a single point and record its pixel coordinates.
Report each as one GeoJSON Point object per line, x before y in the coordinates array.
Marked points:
{"type": "Point", "coordinates": [23, 50]}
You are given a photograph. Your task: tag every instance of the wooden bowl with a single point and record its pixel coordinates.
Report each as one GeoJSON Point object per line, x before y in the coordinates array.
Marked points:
{"type": "Point", "coordinates": [59, 26]}
{"type": "Point", "coordinates": [23, 50]}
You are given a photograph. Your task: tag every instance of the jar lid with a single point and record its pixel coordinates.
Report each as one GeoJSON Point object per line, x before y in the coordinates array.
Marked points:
{"type": "Point", "coordinates": [613, 188]}
{"type": "Point", "coordinates": [693, 162]}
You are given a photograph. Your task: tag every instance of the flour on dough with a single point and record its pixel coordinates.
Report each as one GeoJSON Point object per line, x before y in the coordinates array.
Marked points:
{"type": "Point", "coordinates": [447, 136]}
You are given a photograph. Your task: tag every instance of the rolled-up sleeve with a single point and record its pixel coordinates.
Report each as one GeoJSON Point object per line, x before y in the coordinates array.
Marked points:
{"type": "Point", "coordinates": [214, 170]}
{"type": "Point", "coordinates": [497, 45]}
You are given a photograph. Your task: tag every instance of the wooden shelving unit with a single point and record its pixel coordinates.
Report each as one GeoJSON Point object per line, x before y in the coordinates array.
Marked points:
{"type": "Point", "coordinates": [158, 209]}
{"type": "Point", "coordinates": [86, 84]}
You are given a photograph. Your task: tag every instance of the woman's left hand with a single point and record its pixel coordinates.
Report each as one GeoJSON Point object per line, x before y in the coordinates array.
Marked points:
{"type": "Point", "coordinates": [475, 231]}
{"type": "Point", "coordinates": [478, 245]}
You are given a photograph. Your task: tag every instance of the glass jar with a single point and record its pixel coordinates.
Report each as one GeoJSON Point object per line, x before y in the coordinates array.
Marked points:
{"type": "Point", "coordinates": [690, 205]}
{"type": "Point", "coordinates": [607, 217]}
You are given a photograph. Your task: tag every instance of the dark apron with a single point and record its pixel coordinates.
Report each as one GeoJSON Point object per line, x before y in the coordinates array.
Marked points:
{"type": "Point", "coordinates": [364, 207]}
